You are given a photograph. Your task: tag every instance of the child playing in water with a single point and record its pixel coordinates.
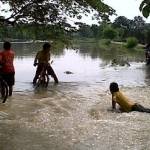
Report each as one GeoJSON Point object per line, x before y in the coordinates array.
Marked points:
{"type": "Point", "coordinates": [125, 104]}
{"type": "Point", "coordinates": [42, 58]}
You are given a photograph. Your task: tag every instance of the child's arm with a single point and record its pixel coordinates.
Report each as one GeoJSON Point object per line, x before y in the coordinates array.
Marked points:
{"type": "Point", "coordinates": [113, 102]}
{"type": "Point", "coordinates": [35, 60]}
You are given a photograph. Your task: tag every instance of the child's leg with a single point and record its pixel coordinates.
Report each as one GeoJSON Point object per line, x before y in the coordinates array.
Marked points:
{"type": "Point", "coordinates": [35, 78]}
{"type": "Point", "coordinates": [10, 90]}
{"type": "Point", "coordinates": [52, 73]}
{"type": "Point", "coordinates": [2, 89]}
{"type": "Point", "coordinates": [140, 108]}
{"type": "Point", "coordinates": [38, 71]}
{"type": "Point", "coordinates": [10, 80]}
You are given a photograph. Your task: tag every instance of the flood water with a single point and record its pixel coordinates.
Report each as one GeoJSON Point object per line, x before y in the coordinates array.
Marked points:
{"type": "Point", "coordinates": [75, 114]}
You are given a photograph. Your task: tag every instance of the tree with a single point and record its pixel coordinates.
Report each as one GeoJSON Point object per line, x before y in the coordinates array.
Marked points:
{"type": "Point", "coordinates": [122, 22]}
{"type": "Point", "coordinates": [52, 11]}
{"type": "Point", "coordinates": [145, 8]}
{"type": "Point", "coordinates": [95, 29]}
{"type": "Point", "coordinates": [139, 22]}
{"type": "Point", "coordinates": [109, 33]}
{"type": "Point", "coordinates": [85, 30]}
{"type": "Point", "coordinates": [138, 29]}
{"type": "Point", "coordinates": [120, 34]}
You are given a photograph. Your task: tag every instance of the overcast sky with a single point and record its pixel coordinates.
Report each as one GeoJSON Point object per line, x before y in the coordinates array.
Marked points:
{"type": "Point", "coordinates": [127, 8]}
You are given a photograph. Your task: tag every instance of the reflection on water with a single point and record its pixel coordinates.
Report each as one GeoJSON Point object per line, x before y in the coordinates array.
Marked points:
{"type": "Point", "coordinates": [74, 115]}
{"type": "Point", "coordinates": [84, 67]}
{"type": "Point", "coordinates": [87, 63]}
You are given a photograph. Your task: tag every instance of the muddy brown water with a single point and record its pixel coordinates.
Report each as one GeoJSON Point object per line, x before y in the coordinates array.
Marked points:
{"type": "Point", "coordinates": [75, 114]}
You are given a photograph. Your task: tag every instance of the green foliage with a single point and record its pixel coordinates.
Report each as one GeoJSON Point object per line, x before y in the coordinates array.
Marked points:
{"type": "Point", "coordinates": [115, 50]}
{"type": "Point", "coordinates": [85, 31]}
{"type": "Point", "coordinates": [95, 30]}
{"type": "Point", "coordinates": [131, 42]}
{"type": "Point", "coordinates": [120, 34]}
{"type": "Point", "coordinates": [145, 8]}
{"type": "Point", "coordinates": [46, 11]}
{"type": "Point", "coordinates": [135, 27]}
{"type": "Point", "coordinates": [35, 32]}
{"type": "Point", "coordinates": [106, 42]}
{"type": "Point", "coordinates": [121, 22]}
{"type": "Point", "coordinates": [119, 30]}
{"type": "Point", "coordinates": [109, 33]}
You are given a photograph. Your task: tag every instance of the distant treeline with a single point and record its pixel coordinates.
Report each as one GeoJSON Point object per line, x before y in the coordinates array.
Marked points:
{"type": "Point", "coordinates": [119, 30]}
{"type": "Point", "coordinates": [23, 32]}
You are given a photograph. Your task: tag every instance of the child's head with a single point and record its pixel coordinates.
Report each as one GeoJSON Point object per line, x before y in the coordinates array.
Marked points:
{"type": "Point", "coordinates": [113, 87]}
{"type": "Point", "coordinates": [46, 46]}
{"type": "Point", "coordinates": [7, 45]}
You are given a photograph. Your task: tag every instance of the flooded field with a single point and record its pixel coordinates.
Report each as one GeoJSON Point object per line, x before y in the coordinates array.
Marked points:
{"type": "Point", "coordinates": [75, 114]}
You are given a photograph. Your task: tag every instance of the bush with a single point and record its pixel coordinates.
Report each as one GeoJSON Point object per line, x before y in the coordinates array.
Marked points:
{"type": "Point", "coordinates": [109, 33]}
{"type": "Point", "coordinates": [131, 42]}
{"type": "Point", "coordinates": [106, 41]}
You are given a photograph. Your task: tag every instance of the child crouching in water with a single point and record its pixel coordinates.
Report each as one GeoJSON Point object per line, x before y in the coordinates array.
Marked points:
{"type": "Point", "coordinates": [125, 104]}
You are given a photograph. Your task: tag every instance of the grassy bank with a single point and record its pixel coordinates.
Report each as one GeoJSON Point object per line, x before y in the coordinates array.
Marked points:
{"type": "Point", "coordinates": [107, 44]}
{"type": "Point", "coordinates": [110, 49]}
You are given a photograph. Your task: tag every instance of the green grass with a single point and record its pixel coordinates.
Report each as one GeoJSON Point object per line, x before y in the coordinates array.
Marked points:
{"type": "Point", "coordinates": [107, 44]}
{"type": "Point", "coordinates": [110, 50]}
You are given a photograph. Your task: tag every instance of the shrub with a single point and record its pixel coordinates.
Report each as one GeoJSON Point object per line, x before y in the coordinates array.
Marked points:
{"type": "Point", "coordinates": [106, 41]}
{"type": "Point", "coordinates": [131, 42]}
{"type": "Point", "coordinates": [109, 33]}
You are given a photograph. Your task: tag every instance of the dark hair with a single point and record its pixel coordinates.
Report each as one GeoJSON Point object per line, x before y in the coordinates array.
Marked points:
{"type": "Point", "coordinates": [114, 87]}
{"type": "Point", "coordinates": [7, 45]}
{"type": "Point", "coordinates": [46, 46]}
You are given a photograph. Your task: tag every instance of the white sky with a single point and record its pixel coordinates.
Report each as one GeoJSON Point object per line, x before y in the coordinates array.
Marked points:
{"type": "Point", "coordinates": [127, 8]}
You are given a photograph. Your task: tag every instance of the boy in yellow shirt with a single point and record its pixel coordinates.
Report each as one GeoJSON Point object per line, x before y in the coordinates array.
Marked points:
{"type": "Point", "coordinates": [126, 105]}
{"type": "Point", "coordinates": [42, 58]}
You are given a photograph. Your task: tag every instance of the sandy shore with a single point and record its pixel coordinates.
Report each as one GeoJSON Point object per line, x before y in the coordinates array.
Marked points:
{"type": "Point", "coordinates": [73, 118]}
